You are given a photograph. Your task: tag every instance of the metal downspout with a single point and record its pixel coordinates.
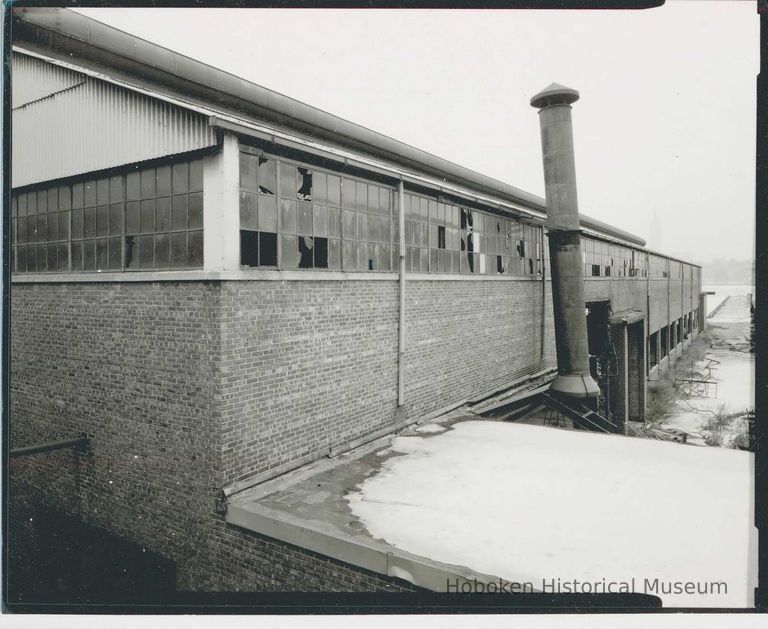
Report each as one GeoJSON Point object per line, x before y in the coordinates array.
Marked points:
{"type": "Point", "coordinates": [401, 327]}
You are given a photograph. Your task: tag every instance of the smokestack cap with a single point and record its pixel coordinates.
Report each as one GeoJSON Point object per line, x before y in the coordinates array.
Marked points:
{"type": "Point", "coordinates": [555, 94]}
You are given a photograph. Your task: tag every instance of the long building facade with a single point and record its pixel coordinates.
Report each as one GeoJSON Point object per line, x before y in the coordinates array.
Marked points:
{"type": "Point", "coordinates": [218, 284]}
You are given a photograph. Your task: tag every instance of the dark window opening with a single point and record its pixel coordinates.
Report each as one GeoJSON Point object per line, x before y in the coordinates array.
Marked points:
{"type": "Point", "coordinates": [440, 237]}
{"type": "Point", "coordinates": [370, 265]}
{"type": "Point", "coordinates": [313, 252]}
{"type": "Point", "coordinates": [267, 249]}
{"type": "Point", "coordinates": [129, 244]}
{"type": "Point", "coordinates": [470, 254]}
{"type": "Point", "coordinates": [305, 252]}
{"type": "Point", "coordinates": [595, 270]}
{"type": "Point", "coordinates": [521, 248]}
{"type": "Point", "coordinates": [530, 266]}
{"type": "Point", "coordinates": [664, 341]}
{"type": "Point", "coordinates": [305, 184]}
{"type": "Point", "coordinates": [249, 248]}
{"type": "Point", "coordinates": [607, 271]}
{"type": "Point", "coordinates": [499, 264]}
{"type": "Point", "coordinates": [653, 349]}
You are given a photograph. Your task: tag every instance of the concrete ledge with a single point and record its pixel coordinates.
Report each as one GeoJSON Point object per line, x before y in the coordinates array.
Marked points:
{"type": "Point", "coordinates": [371, 555]}
{"type": "Point", "coordinates": [255, 275]}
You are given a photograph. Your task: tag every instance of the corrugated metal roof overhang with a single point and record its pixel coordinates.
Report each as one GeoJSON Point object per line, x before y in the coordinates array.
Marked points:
{"type": "Point", "coordinates": [74, 38]}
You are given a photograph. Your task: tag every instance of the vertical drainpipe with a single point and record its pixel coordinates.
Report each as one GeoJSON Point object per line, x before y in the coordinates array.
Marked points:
{"type": "Point", "coordinates": [573, 377]}
{"type": "Point", "coordinates": [543, 290]}
{"type": "Point", "coordinates": [401, 336]}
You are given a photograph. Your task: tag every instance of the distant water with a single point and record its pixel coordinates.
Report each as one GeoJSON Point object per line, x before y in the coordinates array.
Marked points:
{"type": "Point", "coordinates": [724, 290]}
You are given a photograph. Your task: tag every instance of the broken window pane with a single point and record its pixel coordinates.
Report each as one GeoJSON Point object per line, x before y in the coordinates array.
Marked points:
{"type": "Point", "coordinates": [306, 245]}
{"type": "Point", "coordinates": [267, 176]}
{"type": "Point", "coordinates": [304, 190]}
{"type": "Point", "coordinates": [321, 253]}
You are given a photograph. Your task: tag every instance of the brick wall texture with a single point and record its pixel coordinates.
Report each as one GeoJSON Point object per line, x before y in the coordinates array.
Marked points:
{"type": "Point", "coordinates": [188, 386]}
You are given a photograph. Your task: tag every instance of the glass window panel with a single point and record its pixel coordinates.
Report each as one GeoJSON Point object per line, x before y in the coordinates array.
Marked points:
{"type": "Point", "coordinates": [52, 257]}
{"type": "Point", "coordinates": [116, 219]}
{"type": "Point", "coordinates": [132, 187]}
{"type": "Point", "coordinates": [319, 192]}
{"type": "Point", "coordinates": [32, 204]}
{"type": "Point", "coordinates": [180, 178]}
{"type": "Point", "coordinates": [62, 253]}
{"type": "Point", "coordinates": [89, 255]}
{"type": "Point", "coordinates": [334, 254]}
{"type": "Point", "coordinates": [334, 190]}
{"type": "Point", "coordinates": [179, 213]}
{"type": "Point", "coordinates": [249, 172]}
{"type": "Point", "coordinates": [423, 234]}
{"type": "Point", "coordinates": [385, 197]}
{"type": "Point", "coordinates": [248, 211]}
{"type": "Point", "coordinates": [115, 189]}
{"type": "Point", "coordinates": [362, 226]}
{"type": "Point", "coordinates": [77, 256]}
{"type": "Point", "coordinates": [320, 220]}
{"type": "Point", "coordinates": [147, 220]}
{"type": "Point", "coordinates": [22, 230]}
{"type": "Point", "coordinates": [102, 254]}
{"type": "Point", "coordinates": [42, 201]}
{"type": "Point", "coordinates": [349, 258]}
{"type": "Point", "coordinates": [163, 181]}
{"type": "Point", "coordinates": [432, 209]}
{"type": "Point", "coordinates": [267, 214]}
{"type": "Point", "coordinates": [267, 176]}
{"type": "Point", "coordinates": [348, 194]}
{"type": "Point", "coordinates": [196, 210]}
{"type": "Point", "coordinates": [289, 251]}
{"type": "Point", "coordinates": [361, 196]}
{"type": "Point", "coordinates": [163, 214]}
{"type": "Point", "coordinates": [42, 228]}
{"type": "Point", "coordinates": [433, 260]}
{"type": "Point", "coordinates": [349, 224]}
{"type": "Point", "coordinates": [287, 181]}
{"type": "Point", "coordinates": [102, 220]}
{"type": "Point", "coordinates": [146, 258]}
{"type": "Point", "coordinates": [334, 221]}
{"type": "Point", "coordinates": [77, 224]}
{"type": "Point", "coordinates": [424, 260]}
{"type": "Point", "coordinates": [115, 261]}
{"type": "Point", "coordinates": [196, 248]}
{"type": "Point", "coordinates": [385, 261]}
{"type": "Point", "coordinates": [53, 199]}
{"type": "Point", "coordinates": [179, 249]}
{"type": "Point", "coordinates": [433, 235]}
{"type": "Point", "coordinates": [53, 226]}
{"type": "Point", "coordinates": [305, 218]}
{"type": "Point", "coordinates": [288, 221]}
{"type": "Point", "coordinates": [148, 190]}
{"type": "Point", "coordinates": [162, 251]}
{"type": "Point", "coordinates": [132, 214]}
{"type": "Point", "coordinates": [102, 191]}
{"type": "Point", "coordinates": [195, 176]}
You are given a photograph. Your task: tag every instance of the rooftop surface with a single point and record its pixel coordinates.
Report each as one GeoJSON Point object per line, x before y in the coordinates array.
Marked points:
{"type": "Point", "coordinates": [528, 504]}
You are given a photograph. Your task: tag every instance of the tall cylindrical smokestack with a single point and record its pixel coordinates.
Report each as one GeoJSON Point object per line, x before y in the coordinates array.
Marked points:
{"type": "Point", "coordinates": [573, 379]}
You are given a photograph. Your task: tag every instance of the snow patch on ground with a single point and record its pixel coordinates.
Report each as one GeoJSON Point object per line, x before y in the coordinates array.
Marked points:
{"type": "Point", "coordinates": [529, 503]}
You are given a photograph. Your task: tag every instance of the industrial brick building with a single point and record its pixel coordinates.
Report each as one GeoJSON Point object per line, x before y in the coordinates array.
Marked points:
{"type": "Point", "coordinates": [207, 281]}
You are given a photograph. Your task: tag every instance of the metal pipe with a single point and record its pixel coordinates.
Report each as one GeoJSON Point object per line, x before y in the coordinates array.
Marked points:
{"type": "Point", "coordinates": [401, 328]}
{"type": "Point", "coordinates": [573, 379]}
{"type": "Point", "coordinates": [543, 291]}
{"type": "Point", "coordinates": [79, 442]}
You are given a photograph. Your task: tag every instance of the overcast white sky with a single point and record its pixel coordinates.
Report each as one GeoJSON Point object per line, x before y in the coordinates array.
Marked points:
{"type": "Point", "coordinates": [665, 124]}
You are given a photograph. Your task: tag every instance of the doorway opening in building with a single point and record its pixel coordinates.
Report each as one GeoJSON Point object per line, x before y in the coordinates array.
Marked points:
{"type": "Point", "coordinates": [602, 356]}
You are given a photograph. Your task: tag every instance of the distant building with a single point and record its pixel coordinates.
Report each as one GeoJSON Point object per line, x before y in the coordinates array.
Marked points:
{"type": "Point", "coordinates": [206, 281]}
